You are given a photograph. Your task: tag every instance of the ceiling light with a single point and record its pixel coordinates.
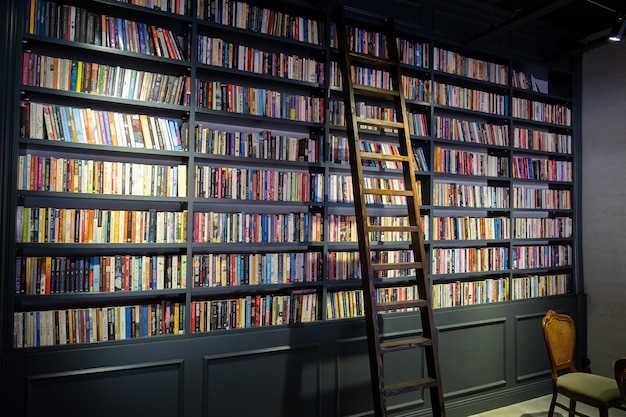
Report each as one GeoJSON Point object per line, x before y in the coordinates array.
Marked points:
{"type": "Point", "coordinates": [618, 31]}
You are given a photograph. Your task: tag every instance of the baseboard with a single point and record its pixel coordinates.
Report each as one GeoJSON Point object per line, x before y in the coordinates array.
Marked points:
{"type": "Point", "coordinates": [480, 403]}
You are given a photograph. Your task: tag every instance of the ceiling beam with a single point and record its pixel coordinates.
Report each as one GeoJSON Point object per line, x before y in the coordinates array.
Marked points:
{"type": "Point", "coordinates": [520, 19]}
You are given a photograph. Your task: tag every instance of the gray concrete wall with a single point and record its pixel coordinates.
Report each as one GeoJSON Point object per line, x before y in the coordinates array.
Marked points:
{"type": "Point", "coordinates": [604, 203]}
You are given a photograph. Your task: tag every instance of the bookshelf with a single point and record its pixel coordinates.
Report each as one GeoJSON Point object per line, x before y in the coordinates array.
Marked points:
{"type": "Point", "coordinates": [181, 178]}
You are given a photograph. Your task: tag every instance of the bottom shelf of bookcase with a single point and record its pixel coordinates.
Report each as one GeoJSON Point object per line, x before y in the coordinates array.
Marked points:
{"type": "Point", "coordinates": [309, 369]}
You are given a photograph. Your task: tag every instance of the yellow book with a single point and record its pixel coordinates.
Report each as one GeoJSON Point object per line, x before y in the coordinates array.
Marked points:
{"type": "Point", "coordinates": [145, 131]}
{"type": "Point", "coordinates": [79, 77]}
{"type": "Point", "coordinates": [176, 317]}
{"type": "Point", "coordinates": [31, 20]}
{"type": "Point", "coordinates": [115, 220]}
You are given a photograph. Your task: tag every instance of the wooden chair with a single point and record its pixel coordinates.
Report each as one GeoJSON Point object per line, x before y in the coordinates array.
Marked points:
{"type": "Point", "coordinates": [619, 368]}
{"type": "Point", "coordinates": [559, 332]}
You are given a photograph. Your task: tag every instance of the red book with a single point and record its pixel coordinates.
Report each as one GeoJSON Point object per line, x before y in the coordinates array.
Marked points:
{"type": "Point", "coordinates": [126, 273]}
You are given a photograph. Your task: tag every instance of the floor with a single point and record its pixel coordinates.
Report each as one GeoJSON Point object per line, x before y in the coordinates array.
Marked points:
{"type": "Point", "coordinates": [538, 407]}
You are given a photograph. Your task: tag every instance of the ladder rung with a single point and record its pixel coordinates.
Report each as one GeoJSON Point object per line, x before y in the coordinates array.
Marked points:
{"type": "Point", "coordinates": [410, 386]}
{"type": "Point", "coordinates": [375, 91]}
{"type": "Point", "coordinates": [397, 305]}
{"type": "Point", "coordinates": [384, 157]}
{"type": "Point", "coordinates": [397, 265]}
{"type": "Point", "coordinates": [403, 344]}
{"type": "Point", "coordinates": [407, 229]}
{"type": "Point", "coordinates": [371, 59]}
{"type": "Point", "coordinates": [379, 123]}
{"type": "Point", "coordinates": [378, 191]}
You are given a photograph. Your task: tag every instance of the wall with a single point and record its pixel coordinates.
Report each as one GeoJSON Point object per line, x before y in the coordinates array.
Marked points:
{"type": "Point", "coordinates": [604, 203]}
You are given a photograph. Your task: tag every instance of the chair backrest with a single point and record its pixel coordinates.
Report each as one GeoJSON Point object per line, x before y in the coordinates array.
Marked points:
{"type": "Point", "coordinates": [559, 332]}
{"type": "Point", "coordinates": [619, 368]}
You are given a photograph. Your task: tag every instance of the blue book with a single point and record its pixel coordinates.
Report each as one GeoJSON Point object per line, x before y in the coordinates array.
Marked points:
{"type": "Point", "coordinates": [73, 75]}
{"type": "Point", "coordinates": [145, 323]}
{"type": "Point", "coordinates": [154, 272]}
{"type": "Point", "coordinates": [175, 134]}
{"type": "Point", "coordinates": [65, 123]}
{"type": "Point", "coordinates": [88, 325]}
{"type": "Point", "coordinates": [142, 39]}
{"type": "Point", "coordinates": [129, 334]}
{"type": "Point", "coordinates": [248, 319]}
{"type": "Point", "coordinates": [104, 121]}
{"type": "Point", "coordinates": [96, 268]}
{"type": "Point", "coordinates": [121, 35]}
{"type": "Point", "coordinates": [79, 126]}
{"type": "Point", "coordinates": [37, 328]}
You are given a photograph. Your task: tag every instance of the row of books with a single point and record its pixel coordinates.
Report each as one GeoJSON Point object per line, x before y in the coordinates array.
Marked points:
{"type": "Point", "coordinates": [342, 228]}
{"type": "Point", "coordinates": [337, 113]}
{"type": "Point", "coordinates": [471, 131]}
{"type": "Point", "coordinates": [215, 95]}
{"type": "Point", "coordinates": [413, 88]}
{"type": "Point", "coordinates": [418, 125]}
{"type": "Point", "coordinates": [416, 54]}
{"type": "Point", "coordinates": [410, 53]}
{"type": "Point", "coordinates": [98, 127]}
{"type": "Point", "coordinates": [542, 169]}
{"type": "Point", "coordinates": [469, 260]}
{"type": "Point", "coordinates": [520, 79]}
{"type": "Point", "coordinates": [470, 228]}
{"type": "Point", "coordinates": [49, 173]}
{"type": "Point", "coordinates": [469, 195]}
{"type": "Point", "coordinates": [182, 7]}
{"type": "Point", "coordinates": [96, 324]}
{"type": "Point", "coordinates": [534, 286]}
{"type": "Point", "coordinates": [372, 77]}
{"type": "Point", "coordinates": [344, 266]}
{"type": "Point", "coordinates": [457, 64]}
{"type": "Point", "coordinates": [463, 293]}
{"type": "Point", "coordinates": [241, 313]}
{"type": "Point", "coordinates": [77, 24]}
{"type": "Point", "coordinates": [541, 112]}
{"type": "Point", "coordinates": [547, 227]}
{"type": "Point", "coordinates": [416, 122]}
{"type": "Point", "coordinates": [259, 19]}
{"type": "Point", "coordinates": [262, 145]}
{"type": "Point", "coordinates": [220, 53]}
{"type": "Point", "coordinates": [366, 41]}
{"type": "Point", "coordinates": [548, 256]}
{"type": "Point", "coordinates": [339, 153]}
{"type": "Point", "coordinates": [221, 270]}
{"type": "Point", "coordinates": [90, 274]}
{"type": "Point", "coordinates": [214, 227]}
{"type": "Point", "coordinates": [470, 99]}
{"type": "Point", "coordinates": [67, 225]}
{"type": "Point", "coordinates": [542, 141]}
{"type": "Point", "coordinates": [541, 198]}
{"type": "Point", "coordinates": [105, 80]}
{"type": "Point", "coordinates": [347, 304]}
{"type": "Point", "coordinates": [255, 184]}
{"type": "Point", "coordinates": [340, 189]}
{"type": "Point", "coordinates": [455, 161]}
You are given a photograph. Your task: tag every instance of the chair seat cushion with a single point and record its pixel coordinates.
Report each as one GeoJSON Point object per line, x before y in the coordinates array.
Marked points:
{"type": "Point", "coordinates": [597, 387]}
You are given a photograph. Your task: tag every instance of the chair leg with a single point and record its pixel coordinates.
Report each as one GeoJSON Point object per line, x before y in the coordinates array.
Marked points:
{"type": "Point", "coordinates": [604, 412]}
{"type": "Point", "coordinates": [552, 404]}
{"type": "Point", "coordinates": [572, 408]}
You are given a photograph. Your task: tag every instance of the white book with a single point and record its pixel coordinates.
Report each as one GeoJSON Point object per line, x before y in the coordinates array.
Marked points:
{"type": "Point", "coordinates": [182, 180]}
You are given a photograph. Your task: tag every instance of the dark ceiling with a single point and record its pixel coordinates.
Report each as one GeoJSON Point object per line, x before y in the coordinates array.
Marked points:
{"type": "Point", "coordinates": [582, 24]}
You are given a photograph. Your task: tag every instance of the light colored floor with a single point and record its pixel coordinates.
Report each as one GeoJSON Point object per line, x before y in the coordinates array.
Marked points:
{"type": "Point", "coordinates": [538, 407]}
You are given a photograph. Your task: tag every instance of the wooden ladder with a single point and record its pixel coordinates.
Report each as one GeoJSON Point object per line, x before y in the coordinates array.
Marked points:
{"type": "Point", "coordinates": [378, 345]}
